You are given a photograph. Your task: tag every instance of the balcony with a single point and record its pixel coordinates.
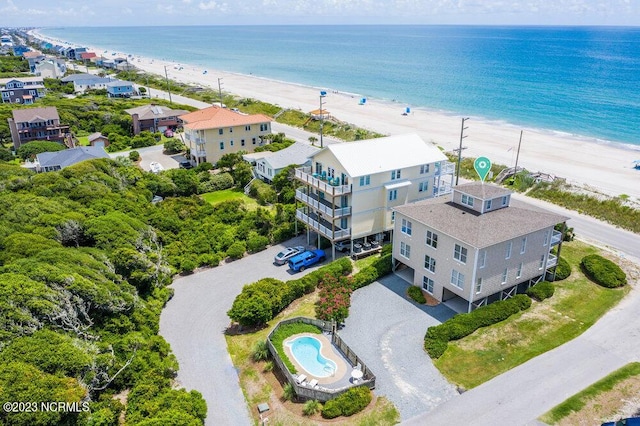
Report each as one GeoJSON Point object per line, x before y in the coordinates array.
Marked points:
{"type": "Point", "coordinates": [445, 168]}
{"type": "Point", "coordinates": [556, 237]}
{"type": "Point", "coordinates": [442, 189]}
{"type": "Point", "coordinates": [302, 174]}
{"type": "Point", "coordinates": [552, 261]}
{"type": "Point", "coordinates": [323, 206]}
{"type": "Point", "coordinates": [199, 141]}
{"type": "Point", "coordinates": [323, 226]}
{"type": "Point", "coordinates": [199, 153]}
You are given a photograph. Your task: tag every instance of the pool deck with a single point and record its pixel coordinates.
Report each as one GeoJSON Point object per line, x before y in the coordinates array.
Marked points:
{"type": "Point", "coordinates": [342, 375]}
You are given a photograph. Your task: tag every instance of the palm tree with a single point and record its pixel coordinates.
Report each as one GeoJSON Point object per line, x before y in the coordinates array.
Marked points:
{"type": "Point", "coordinates": [313, 140]}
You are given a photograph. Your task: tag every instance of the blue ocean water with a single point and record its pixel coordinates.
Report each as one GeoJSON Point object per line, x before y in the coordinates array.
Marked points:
{"type": "Point", "coordinates": [583, 81]}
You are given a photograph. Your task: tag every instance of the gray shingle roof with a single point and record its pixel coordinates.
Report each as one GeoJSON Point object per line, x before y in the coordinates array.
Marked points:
{"type": "Point", "coordinates": [71, 156]}
{"type": "Point", "coordinates": [298, 153]}
{"type": "Point", "coordinates": [483, 191]}
{"type": "Point", "coordinates": [77, 77]}
{"type": "Point", "coordinates": [28, 114]}
{"type": "Point", "coordinates": [480, 230]}
{"type": "Point", "coordinates": [152, 111]}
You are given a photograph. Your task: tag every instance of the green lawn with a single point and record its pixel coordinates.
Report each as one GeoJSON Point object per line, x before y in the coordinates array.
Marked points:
{"type": "Point", "coordinates": [216, 197]}
{"type": "Point", "coordinates": [576, 305]}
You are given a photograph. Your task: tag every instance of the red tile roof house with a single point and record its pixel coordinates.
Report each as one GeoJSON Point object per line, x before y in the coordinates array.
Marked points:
{"type": "Point", "coordinates": [87, 56]}
{"type": "Point", "coordinates": [212, 132]}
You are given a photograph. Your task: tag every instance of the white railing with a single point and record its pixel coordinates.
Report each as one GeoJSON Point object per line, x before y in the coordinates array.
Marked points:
{"type": "Point", "coordinates": [316, 204]}
{"type": "Point", "coordinates": [317, 226]}
{"type": "Point", "coordinates": [556, 237]}
{"type": "Point", "coordinates": [446, 168]}
{"type": "Point", "coordinates": [200, 153]}
{"type": "Point", "coordinates": [321, 184]}
{"type": "Point", "coordinates": [552, 261]}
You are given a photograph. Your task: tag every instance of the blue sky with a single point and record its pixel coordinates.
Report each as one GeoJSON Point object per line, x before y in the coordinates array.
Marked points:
{"type": "Point", "coordinates": [14, 13]}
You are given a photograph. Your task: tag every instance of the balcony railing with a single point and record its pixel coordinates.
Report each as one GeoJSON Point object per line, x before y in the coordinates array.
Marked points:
{"type": "Point", "coordinates": [200, 141]}
{"type": "Point", "coordinates": [556, 237]}
{"type": "Point", "coordinates": [200, 153]}
{"type": "Point", "coordinates": [442, 189]}
{"type": "Point", "coordinates": [322, 185]}
{"type": "Point", "coordinates": [552, 260]}
{"type": "Point", "coordinates": [322, 229]}
{"type": "Point", "coordinates": [446, 168]}
{"type": "Point", "coordinates": [312, 201]}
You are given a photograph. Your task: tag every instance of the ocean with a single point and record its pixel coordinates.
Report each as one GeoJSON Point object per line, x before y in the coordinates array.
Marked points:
{"type": "Point", "coordinates": [582, 81]}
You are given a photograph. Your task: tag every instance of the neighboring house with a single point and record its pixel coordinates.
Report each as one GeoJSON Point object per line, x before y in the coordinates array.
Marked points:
{"type": "Point", "coordinates": [75, 53]}
{"type": "Point", "coordinates": [83, 82]}
{"type": "Point", "coordinates": [269, 166]}
{"type": "Point", "coordinates": [33, 57]}
{"type": "Point", "coordinates": [36, 124]}
{"type": "Point", "coordinates": [350, 188]}
{"type": "Point", "coordinates": [98, 139]}
{"type": "Point", "coordinates": [120, 89]}
{"type": "Point", "coordinates": [212, 132]}
{"type": "Point", "coordinates": [155, 118]}
{"type": "Point", "coordinates": [51, 68]}
{"type": "Point", "coordinates": [87, 56]}
{"type": "Point", "coordinates": [21, 90]}
{"type": "Point", "coordinates": [476, 247]}
{"type": "Point", "coordinates": [52, 161]}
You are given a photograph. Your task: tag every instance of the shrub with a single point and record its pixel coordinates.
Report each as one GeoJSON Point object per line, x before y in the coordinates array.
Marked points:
{"type": "Point", "coordinates": [217, 182]}
{"type": "Point", "coordinates": [334, 298]}
{"type": "Point", "coordinates": [31, 149]}
{"type": "Point", "coordinates": [563, 269]}
{"type": "Point", "coordinates": [289, 392]}
{"type": "Point", "coordinates": [435, 347]}
{"type": "Point", "coordinates": [311, 407]}
{"type": "Point", "coordinates": [237, 250]}
{"type": "Point", "coordinates": [347, 404]}
{"type": "Point", "coordinates": [542, 290]}
{"type": "Point", "coordinates": [134, 156]}
{"type": "Point", "coordinates": [187, 265]}
{"type": "Point", "coordinates": [209, 259]}
{"type": "Point", "coordinates": [173, 146]}
{"type": "Point", "coordinates": [263, 192]}
{"type": "Point", "coordinates": [268, 366]}
{"type": "Point", "coordinates": [603, 271]}
{"type": "Point", "coordinates": [364, 277]}
{"type": "Point", "coordinates": [260, 351]}
{"type": "Point", "coordinates": [251, 311]}
{"type": "Point", "coordinates": [256, 242]}
{"type": "Point", "coordinates": [416, 294]}
{"type": "Point", "coordinates": [383, 265]}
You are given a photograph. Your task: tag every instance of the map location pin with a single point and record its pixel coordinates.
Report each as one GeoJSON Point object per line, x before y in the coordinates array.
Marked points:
{"type": "Point", "coordinates": [482, 165]}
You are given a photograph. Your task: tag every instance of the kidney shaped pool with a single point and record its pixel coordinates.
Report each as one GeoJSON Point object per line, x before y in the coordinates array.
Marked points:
{"type": "Point", "coordinates": [306, 351]}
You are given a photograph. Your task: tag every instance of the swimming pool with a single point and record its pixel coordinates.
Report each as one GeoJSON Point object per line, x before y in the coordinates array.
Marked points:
{"type": "Point", "coordinates": [306, 351]}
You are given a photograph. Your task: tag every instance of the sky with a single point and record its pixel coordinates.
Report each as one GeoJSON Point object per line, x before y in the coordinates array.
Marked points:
{"type": "Point", "coordinates": [55, 13]}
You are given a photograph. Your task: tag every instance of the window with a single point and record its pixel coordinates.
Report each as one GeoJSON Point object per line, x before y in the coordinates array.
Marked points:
{"type": "Point", "coordinates": [519, 272]}
{"type": "Point", "coordinates": [393, 217]}
{"type": "Point", "coordinates": [395, 174]}
{"type": "Point", "coordinates": [221, 145]}
{"type": "Point", "coordinates": [479, 285]}
{"type": "Point", "coordinates": [220, 131]}
{"type": "Point", "coordinates": [483, 259]}
{"type": "Point", "coordinates": [331, 172]}
{"type": "Point", "coordinates": [264, 127]}
{"type": "Point", "coordinates": [432, 239]}
{"type": "Point", "coordinates": [365, 180]}
{"type": "Point", "coordinates": [405, 249]}
{"type": "Point", "coordinates": [429, 263]}
{"type": "Point", "coordinates": [504, 200]}
{"type": "Point", "coordinates": [541, 265]}
{"type": "Point", "coordinates": [241, 142]}
{"type": "Point", "coordinates": [507, 253]}
{"type": "Point", "coordinates": [230, 129]}
{"type": "Point", "coordinates": [523, 246]}
{"type": "Point", "coordinates": [406, 227]}
{"type": "Point", "coordinates": [546, 237]}
{"type": "Point", "coordinates": [427, 284]}
{"type": "Point", "coordinates": [423, 186]}
{"type": "Point", "coordinates": [424, 169]}
{"type": "Point", "coordinates": [460, 253]}
{"type": "Point", "coordinates": [253, 140]}
{"type": "Point", "coordinates": [247, 128]}
{"type": "Point", "coordinates": [457, 278]}
{"type": "Point", "coordinates": [467, 200]}
{"type": "Point", "coordinates": [504, 275]}
{"type": "Point", "coordinates": [393, 194]}
{"type": "Point", "coordinates": [487, 205]}
{"type": "Point", "coordinates": [231, 143]}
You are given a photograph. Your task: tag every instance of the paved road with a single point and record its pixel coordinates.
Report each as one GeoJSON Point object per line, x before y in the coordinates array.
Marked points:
{"type": "Point", "coordinates": [194, 321]}
{"type": "Point", "coordinates": [386, 331]}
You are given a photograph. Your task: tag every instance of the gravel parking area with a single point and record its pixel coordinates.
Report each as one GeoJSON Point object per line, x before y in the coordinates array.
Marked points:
{"type": "Point", "coordinates": [387, 330]}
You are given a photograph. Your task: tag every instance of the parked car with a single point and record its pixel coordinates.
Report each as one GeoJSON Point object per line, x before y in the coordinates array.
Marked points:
{"type": "Point", "coordinates": [156, 167]}
{"type": "Point", "coordinates": [168, 133]}
{"type": "Point", "coordinates": [343, 246]}
{"type": "Point", "coordinates": [302, 261]}
{"type": "Point", "coordinates": [286, 254]}
{"type": "Point", "coordinates": [186, 164]}
{"type": "Point", "coordinates": [631, 421]}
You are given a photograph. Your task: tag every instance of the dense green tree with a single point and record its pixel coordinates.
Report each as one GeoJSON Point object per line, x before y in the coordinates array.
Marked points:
{"type": "Point", "coordinates": [30, 149]}
{"type": "Point", "coordinates": [174, 146]}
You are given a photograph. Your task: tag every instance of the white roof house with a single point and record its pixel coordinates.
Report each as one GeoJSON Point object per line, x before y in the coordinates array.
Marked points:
{"type": "Point", "coordinates": [298, 153]}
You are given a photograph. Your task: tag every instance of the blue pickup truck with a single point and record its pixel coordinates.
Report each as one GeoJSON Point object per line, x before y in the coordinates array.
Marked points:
{"type": "Point", "coordinates": [306, 259]}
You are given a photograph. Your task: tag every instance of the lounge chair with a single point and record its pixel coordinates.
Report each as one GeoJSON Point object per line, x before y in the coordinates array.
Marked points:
{"type": "Point", "coordinates": [300, 379]}
{"type": "Point", "coordinates": [313, 383]}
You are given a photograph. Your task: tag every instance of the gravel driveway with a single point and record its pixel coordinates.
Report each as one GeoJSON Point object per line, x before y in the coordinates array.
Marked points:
{"type": "Point", "coordinates": [386, 330]}
{"type": "Point", "coordinates": [195, 319]}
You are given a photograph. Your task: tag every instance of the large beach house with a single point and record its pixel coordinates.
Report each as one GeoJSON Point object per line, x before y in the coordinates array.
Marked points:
{"type": "Point", "coordinates": [349, 190]}
{"type": "Point", "coordinates": [155, 118]}
{"type": "Point", "coordinates": [37, 124]}
{"type": "Point", "coordinates": [22, 90]}
{"type": "Point", "coordinates": [212, 132]}
{"type": "Point", "coordinates": [475, 247]}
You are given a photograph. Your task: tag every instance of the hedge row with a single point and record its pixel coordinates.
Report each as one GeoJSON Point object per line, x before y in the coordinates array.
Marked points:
{"type": "Point", "coordinates": [416, 294]}
{"type": "Point", "coordinates": [563, 269]}
{"type": "Point", "coordinates": [542, 290]}
{"type": "Point", "coordinates": [379, 268]}
{"type": "Point", "coordinates": [461, 325]}
{"type": "Point", "coordinates": [261, 301]}
{"type": "Point", "coordinates": [603, 271]}
{"type": "Point", "coordinates": [347, 404]}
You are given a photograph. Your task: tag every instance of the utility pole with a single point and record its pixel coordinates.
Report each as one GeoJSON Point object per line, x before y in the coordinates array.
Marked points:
{"type": "Point", "coordinates": [220, 90]}
{"type": "Point", "coordinates": [462, 136]}
{"type": "Point", "coordinates": [166, 76]}
{"type": "Point", "coordinates": [322, 95]}
{"type": "Point", "coordinates": [515, 169]}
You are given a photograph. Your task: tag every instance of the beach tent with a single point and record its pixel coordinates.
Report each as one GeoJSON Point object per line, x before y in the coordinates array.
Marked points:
{"type": "Point", "coordinates": [363, 101]}
{"type": "Point", "coordinates": [636, 164]}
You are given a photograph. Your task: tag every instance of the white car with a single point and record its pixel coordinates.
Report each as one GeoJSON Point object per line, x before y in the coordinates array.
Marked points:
{"type": "Point", "coordinates": [156, 167]}
{"type": "Point", "coordinates": [286, 254]}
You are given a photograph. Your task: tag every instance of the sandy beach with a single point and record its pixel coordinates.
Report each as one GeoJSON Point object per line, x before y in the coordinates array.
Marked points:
{"type": "Point", "coordinates": [605, 167]}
